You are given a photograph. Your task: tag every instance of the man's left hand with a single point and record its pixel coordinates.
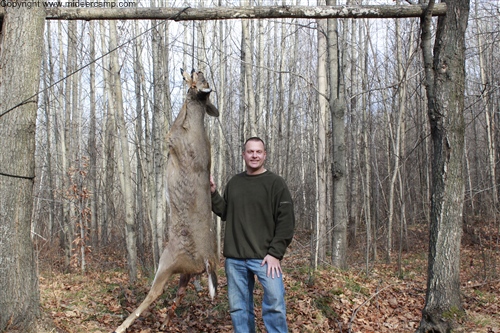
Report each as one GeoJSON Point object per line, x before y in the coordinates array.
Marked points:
{"type": "Point", "coordinates": [273, 266]}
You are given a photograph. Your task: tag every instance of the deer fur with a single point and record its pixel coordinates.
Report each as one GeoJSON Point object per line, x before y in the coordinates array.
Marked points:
{"type": "Point", "coordinates": [191, 247]}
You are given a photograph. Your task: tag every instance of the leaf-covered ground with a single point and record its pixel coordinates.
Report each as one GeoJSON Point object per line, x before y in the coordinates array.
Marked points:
{"type": "Point", "coordinates": [389, 299]}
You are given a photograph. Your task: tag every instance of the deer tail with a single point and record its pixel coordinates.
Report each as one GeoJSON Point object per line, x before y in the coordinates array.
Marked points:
{"type": "Point", "coordinates": [212, 279]}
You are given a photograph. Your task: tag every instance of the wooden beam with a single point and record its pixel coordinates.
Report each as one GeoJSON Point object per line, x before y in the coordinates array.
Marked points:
{"type": "Point", "coordinates": [86, 10]}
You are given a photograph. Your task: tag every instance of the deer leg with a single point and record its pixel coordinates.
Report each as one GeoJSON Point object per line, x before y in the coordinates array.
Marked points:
{"type": "Point", "coordinates": [162, 275]}
{"type": "Point", "coordinates": [183, 283]}
{"type": "Point", "coordinates": [196, 283]}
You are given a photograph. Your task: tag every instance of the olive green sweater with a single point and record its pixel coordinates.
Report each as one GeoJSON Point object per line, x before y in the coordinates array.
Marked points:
{"type": "Point", "coordinates": [259, 216]}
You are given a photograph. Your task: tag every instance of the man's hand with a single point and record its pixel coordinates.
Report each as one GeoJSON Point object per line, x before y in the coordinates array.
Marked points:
{"type": "Point", "coordinates": [273, 266]}
{"type": "Point", "coordinates": [213, 186]}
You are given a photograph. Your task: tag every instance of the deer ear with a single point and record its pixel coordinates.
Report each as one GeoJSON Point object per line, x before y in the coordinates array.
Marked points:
{"type": "Point", "coordinates": [186, 77]}
{"type": "Point", "coordinates": [212, 109]}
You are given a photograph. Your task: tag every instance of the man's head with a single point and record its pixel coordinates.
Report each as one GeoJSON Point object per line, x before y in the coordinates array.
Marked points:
{"type": "Point", "coordinates": [254, 154]}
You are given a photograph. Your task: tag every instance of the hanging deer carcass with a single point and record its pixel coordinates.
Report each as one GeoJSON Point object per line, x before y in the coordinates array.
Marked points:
{"type": "Point", "coordinates": [191, 247]}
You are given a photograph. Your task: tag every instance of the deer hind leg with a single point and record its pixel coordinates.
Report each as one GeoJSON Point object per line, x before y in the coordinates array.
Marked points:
{"type": "Point", "coordinates": [196, 283]}
{"type": "Point", "coordinates": [183, 283]}
{"type": "Point", "coordinates": [162, 275]}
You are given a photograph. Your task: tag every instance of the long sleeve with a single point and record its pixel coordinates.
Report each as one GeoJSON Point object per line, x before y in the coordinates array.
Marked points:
{"type": "Point", "coordinates": [219, 205]}
{"type": "Point", "coordinates": [284, 224]}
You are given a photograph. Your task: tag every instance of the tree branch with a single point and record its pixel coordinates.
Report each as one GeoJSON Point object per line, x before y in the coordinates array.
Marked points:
{"type": "Point", "coordinates": [75, 10]}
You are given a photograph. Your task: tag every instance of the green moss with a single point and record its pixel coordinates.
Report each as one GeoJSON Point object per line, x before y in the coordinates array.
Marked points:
{"type": "Point", "coordinates": [323, 304]}
{"type": "Point", "coordinates": [355, 287]}
{"type": "Point", "coordinates": [454, 314]}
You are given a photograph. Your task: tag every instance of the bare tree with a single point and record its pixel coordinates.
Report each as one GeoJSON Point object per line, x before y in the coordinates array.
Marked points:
{"type": "Point", "coordinates": [92, 144]}
{"type": "Point", "coordinates": [337, 109]}
{"type": "Point", "coordinates": [445, 83]}
{"type": "Point", "coordinates": [141, 168]}
{"type": "Point", "coordinates": [124, 168]}
{"type": "Point", "coordinates": [486, 96]}
{"type": "Point", "coordinates": [109, 149]}
{"type": "Point", "coordinates": [367, 159]}
{"type": "Point", "coordinates": [397, 140]}
{"type": "Point", "coordinates": [20, 62]}
{"type": "Point", "coordinates": [248, 92]}
{"type": "Point", "coordinates": [319, 240]}
{"type": "Point", "coordinates": [159, 128]}
{"type": "Point", "coordinates": [49, 109]}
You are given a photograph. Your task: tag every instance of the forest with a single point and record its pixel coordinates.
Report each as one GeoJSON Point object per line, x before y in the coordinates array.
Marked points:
{"type": "Point", "coordinates": [110, 89]}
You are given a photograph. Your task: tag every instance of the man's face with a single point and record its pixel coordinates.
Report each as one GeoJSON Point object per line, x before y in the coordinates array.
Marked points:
{"type": "Point", "coordinates": [254, 156]}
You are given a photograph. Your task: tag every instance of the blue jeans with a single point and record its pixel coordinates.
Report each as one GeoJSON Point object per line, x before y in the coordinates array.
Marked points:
{"type": "Point", "coordinates": [240, 284]}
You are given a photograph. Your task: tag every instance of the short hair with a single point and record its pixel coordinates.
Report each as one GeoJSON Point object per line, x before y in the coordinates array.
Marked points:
{"type": "Point", "coordinates": [254, 138]}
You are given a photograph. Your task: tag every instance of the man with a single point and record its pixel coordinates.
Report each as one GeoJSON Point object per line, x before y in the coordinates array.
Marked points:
{"type": "Point", "coordinates": [258, 210]}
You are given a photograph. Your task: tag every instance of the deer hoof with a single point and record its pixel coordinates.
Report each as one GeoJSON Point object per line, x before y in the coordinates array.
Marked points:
{"type": "Point", "coordinates": [163, 327]}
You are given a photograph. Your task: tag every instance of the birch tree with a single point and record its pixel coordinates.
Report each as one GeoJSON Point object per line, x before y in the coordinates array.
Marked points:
{"type": "Point", "coordinates": [124, 168]}
{"type": "Point", "coordinates": [68, 230]}
{"type": "Point", "coordinates": [367, 157]}
{"type": "Point", "coordinates": [337, 109]}
{"type": "Point", "coordinates": [319, 238]}
{"type": "Point", "coordinates": [92, 145]}
{"type": "Point", "coordinates": [141, 170]}
{"type": "Point", "coordinates": [486, 96]}
{"type": "Point", "coordinates": [158, 132]}
{"type": "Point", "coordinates": [397, 137]}
{"type": "Point", "coordinates": [109, 148]}
{"type": "Point", "coordinates": [49, 115]}
{"type": "Point", "coordinates": [249, 95]}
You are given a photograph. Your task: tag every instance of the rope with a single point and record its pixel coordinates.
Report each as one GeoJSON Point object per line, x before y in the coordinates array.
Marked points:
{"type": "Point", "coordinates": [173, 17]}
{"type": "Point", "coordinates": [16, 176]}
{"type": "Point", "coordinates": [32, 100]}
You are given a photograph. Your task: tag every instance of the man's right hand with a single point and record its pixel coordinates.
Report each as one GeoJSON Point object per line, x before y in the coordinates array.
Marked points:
{"type": "Point", "coordinates": [213, 186]}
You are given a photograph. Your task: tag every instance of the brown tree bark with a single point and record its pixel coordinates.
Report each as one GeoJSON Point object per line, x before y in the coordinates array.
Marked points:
{"type": "Point", "coordinates": [445, 84]}
{"type": "Point", "coordinates": [20, 61]}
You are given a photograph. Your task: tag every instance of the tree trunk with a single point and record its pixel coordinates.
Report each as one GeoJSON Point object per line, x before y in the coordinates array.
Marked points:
{"type": "Point", "coordinates": [261, 77]}
{"type": "Point", "coordinates": [161, 108]}
{"type": "Point", "coordinates": [92, 144]}
{"type": "Point", "coordinates": [322, 202]}
{"type": "Point", "coordinates": [366, 129]}
{"type": "Point", "coordinates": [445, 84]}
{"type": "Point", "coordinates": [356, 136]}
{"type": "Point", "coordinates": [141, 207]}
{"type": "Point", "coordinates": [490, 120]}
{"type": "Point", "coordinates": [251, 127]}
{"type": "Point", "coordinates": [67, 231]}
{"type": "Point", "coordinates": [337, 109]}
{"type": "Point", "coordinates": [290, 115]}
{"type": "Point", "coordinates": [49, 80]}
{"type": "Point", "coordinates": [219, 153]}
{"type": "Point", "coordinates": [20, 61]}
{"type": "Point", "coordinates": [280, 99]}
{"type": "Point", "coordinates": [124, 169]}
{"type": "Point", "coordinates": [109, 152]}
{"type": "Point", "coordinates": [397, 142]}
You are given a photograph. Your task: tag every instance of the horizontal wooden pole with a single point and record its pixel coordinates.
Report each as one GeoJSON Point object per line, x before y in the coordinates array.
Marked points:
{"type": "Point", "coordinates": [94, 10]}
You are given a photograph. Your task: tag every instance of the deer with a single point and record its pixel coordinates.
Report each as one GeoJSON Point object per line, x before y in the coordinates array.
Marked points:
{"type": "Point", "coordinates": [191, 248]}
